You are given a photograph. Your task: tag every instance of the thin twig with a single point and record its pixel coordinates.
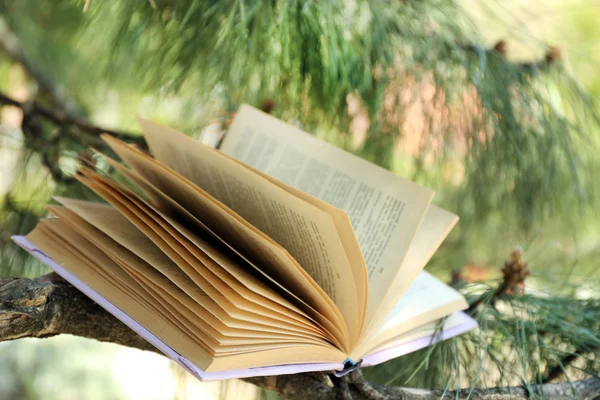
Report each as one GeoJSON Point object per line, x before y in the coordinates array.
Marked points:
{"type": "Point", "coordinates": [64, 120]}
{"type": "Point", "coordinates": [500, 290]}
{"type": "Point", "coordinates": [559, 370]}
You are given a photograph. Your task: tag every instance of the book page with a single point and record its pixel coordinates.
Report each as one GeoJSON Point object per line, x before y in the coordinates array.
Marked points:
{"type": "Point", "coordinates": [419, 338]}
{"type": "Point", "coordinates": [93, 276]}
{"type": "Point", "coordinates": [229, 262]}
{"type": "Point", "coordinates": [70, 241]}
{"type": "Point", "coordinates": [181, 305]}
{"type": "Point", "coordinates": [159, 326]}
{"type": "Point", "coordinates": [385, 210]}
{"type": "Point", "coordinates": [262, 251]}
{"type": "Point", "coordinates": [193, 263]}
{"type": "Point", "coordinates": [217, 300]}
{"type": "Point", "coordinates": [261, 283]}
{"type": "Point", "coordinates": [427, 299]}
{"type": "Point", "coordinates": [436, 225]}
{"type": "Point", "coordinates": [431, 328]}
{"type": "Point", "coordinates": [305, 231]}
{"type": "Point", "coordinates": [345, 230]}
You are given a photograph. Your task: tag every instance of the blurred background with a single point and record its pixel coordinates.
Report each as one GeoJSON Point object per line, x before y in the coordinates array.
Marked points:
{"type": "Point", "coordinates": [493, 104]}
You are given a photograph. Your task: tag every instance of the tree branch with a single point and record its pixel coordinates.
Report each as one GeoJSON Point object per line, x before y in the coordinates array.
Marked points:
{"type": "Point", "coordinates": [63, 119]}
{"type": "Point", "coordinates": [48, 306]}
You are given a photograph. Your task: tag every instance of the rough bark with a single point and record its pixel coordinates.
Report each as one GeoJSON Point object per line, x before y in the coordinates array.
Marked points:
{"type": "Point", "coordinates": [48, 306]}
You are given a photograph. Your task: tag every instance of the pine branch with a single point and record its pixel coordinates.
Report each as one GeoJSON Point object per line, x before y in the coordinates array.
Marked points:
{"type": "Point", "coordinates": [62, 119]}
{"type": "Point", "coordinates": [11, 45]}
{"type": "Point", "coordinates": [69, 127]}
{"type": "Point", "coordinates": [67, 112]}
{"type": "Point", "coordinates": [514, 273]}
{"type": "Point", "coordinates": [47, 306]}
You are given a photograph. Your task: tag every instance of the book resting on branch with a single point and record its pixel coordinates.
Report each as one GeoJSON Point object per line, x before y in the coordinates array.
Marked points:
{"type": "Point", "coordinates": [276, 254]}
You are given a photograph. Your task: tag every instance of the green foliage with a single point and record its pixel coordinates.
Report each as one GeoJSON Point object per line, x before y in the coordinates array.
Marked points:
{"type": "Point", "coordinates": [531, 121]}
{"type": "Point", "coordinates": [509, 146]}
{"type": "Point", "coordinates": [520, 340]}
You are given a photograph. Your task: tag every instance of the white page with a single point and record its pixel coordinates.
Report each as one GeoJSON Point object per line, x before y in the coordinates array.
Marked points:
{"type": "Point", "coordinates": [433, 230]}
{"type": "Point", "coordinates": [421, 337]}
{"type": "Point", "coordinates": [427, 299]}
{"type": "Point", "coordinates": [425, 294]}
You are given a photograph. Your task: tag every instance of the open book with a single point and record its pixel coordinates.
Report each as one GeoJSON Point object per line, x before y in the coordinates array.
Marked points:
{"type": "Point", "coordinates": [277, 254]}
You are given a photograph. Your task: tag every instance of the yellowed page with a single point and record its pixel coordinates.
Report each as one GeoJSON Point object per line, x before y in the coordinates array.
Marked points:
{"type": "Point", "coordinates": [214, 300]}
{"type": "Point", "coordinates": [306, 232]}
{"type": "Point", "coordinates": [225, 296]}
{"type": "Point", "coordinates": [113, 223]}
{"type": "Point", "coordinates": [272, 258]}
{"type": "Point", "coordinates": [242, 341]}
{"type": "Point", "coordinates": [180, 305]}
{"type": "Point", "coordinates": [257, 284]}
{"type": "Point", "coordinates": [345, 231]}
{"type": "Point", "coordinates": [429, 329]}
{"type": "Point", "coordinates": [225, 268]}
{"type": "Point", "coordinates": [231, 261]}
{"type": "Point", "coordinates": [385, 210]}
{"type": "Point", "coordinates": [434, 228]}
{"type": "Point", "coordinates": [427, 299]}
{"type": "Point", "coordinates": [186, 346]}
{"type": "Point", "coordinates": [267, 355]}
{"type": "Point", "coordinates": [85, 250]}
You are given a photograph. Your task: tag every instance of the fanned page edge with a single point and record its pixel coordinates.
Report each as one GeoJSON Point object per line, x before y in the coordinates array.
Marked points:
{"type": "Point", "coordinates": [336, 368]}
{"type": "Point", "coordinates": [156, 342]}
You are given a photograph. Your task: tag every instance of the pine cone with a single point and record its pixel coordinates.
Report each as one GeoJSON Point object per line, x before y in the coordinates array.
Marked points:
{"type": "Point", "coordinates": [515, 272]}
